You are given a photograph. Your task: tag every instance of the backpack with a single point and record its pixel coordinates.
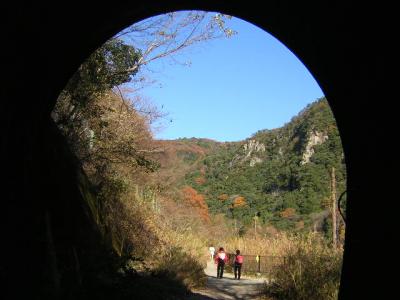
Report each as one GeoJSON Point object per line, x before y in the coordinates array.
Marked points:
{"type": "Point", "coordinates": [221, 257]}
{"type": "Point", "coordinates": [239, 259]}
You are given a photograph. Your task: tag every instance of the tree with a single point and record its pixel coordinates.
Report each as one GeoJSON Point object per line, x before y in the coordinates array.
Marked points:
{"type": "Point", "coordinates": [239, 202]}
{"type": "Point", "coordinates": [197, 201]}
{"type": "Point", "coordinates": [167, 35]}
{"type": "Point", "coordinates": [105, 69]}
{"type": "Point", "coordinates": [119, 60]}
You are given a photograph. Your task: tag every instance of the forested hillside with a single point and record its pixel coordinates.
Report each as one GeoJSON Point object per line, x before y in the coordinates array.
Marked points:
{"type": "Point", "coordinates": [282, 176]}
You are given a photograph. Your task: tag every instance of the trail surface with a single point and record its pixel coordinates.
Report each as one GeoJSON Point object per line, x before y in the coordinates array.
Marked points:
{"type": "Point", "coordinates": [227, 287]}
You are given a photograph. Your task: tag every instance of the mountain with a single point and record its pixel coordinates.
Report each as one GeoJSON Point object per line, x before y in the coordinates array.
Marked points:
{"type": "Point", "coordinates": [282, 176]}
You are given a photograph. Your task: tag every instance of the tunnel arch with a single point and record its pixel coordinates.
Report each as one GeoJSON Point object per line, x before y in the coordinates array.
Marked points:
{"type": "Point", "coordinates": [266, 23]}
{"type": "Point", "coordinates": [332, 40]}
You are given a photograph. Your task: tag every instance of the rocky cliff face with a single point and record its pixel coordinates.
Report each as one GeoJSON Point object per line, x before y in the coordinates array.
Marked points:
{"type": "Point", "coordinates": [272, 171]}
{"type": "Point", "coordinates": [253, 146]}
{"type": "Point", "coordinates": [315, 138]}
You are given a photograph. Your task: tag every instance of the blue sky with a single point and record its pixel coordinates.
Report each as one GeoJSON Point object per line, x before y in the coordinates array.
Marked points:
{"type": "Point", "coordinates": [233, 88]}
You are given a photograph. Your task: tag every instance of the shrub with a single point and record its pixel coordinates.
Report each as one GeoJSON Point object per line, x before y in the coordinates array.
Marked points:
{"type": "Point", "coordinates": [182, 267]}
{"type": "Point", "coordinates": [311, 270]}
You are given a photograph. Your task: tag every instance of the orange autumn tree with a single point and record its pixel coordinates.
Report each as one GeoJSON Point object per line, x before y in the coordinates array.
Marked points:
{"type": "Point", "coordinates": [197, 201]}
{"type": "Point", "coordinates": [239, 201]}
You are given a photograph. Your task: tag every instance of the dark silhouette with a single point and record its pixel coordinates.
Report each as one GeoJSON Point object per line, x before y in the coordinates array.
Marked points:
{"type": "Point", "coordinates": [343, 45]}
{"type": "Point", "coordinates": [220, 259]}
{"type": "Point", "coordinates": [238, 265]}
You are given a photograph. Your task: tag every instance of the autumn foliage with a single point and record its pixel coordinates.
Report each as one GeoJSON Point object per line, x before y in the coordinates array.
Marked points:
{"type": "Point", "coordinates": [197, 201]}
{"type": "Point", "coordinates": [288, 213]}
{"type": "Point", "coordinates": [239, 201]}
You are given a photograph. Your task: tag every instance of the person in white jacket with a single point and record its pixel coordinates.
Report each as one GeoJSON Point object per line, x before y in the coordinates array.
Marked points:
{"type": "Point", "coordinates": [212, 252]}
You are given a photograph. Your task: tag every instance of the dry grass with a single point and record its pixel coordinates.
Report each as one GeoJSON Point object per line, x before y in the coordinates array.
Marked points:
{"type": "Point", "coordinates": [311, 270]}
{"type": "Point", "coordinates": [265, 246]}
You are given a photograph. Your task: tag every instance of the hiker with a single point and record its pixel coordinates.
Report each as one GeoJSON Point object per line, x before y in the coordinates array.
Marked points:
{"type": "Point", "coordinates": [238, 265]}
{"type": "Point", "coordinates": [212, 252]}
{"type": "Point", "coordinates": [220, 259]}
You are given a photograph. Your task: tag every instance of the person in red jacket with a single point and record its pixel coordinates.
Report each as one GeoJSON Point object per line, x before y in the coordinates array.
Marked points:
{"type": "Point", "coordinates": [238, 264]}
{"type": "Point", "coordinates": [220, 259]}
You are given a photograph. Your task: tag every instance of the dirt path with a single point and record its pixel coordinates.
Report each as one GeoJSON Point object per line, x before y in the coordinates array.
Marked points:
{"type": "Point", "coordinates": [227, 288]}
